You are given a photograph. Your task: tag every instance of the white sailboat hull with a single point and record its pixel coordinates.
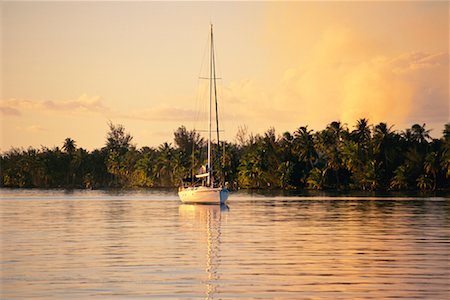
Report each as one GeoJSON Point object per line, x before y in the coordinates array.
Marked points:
{"type": "Point", "coordinates": [203, 194]}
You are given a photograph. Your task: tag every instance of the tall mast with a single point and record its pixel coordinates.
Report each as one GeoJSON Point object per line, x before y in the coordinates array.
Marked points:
{"type": "Point", "coordinates": [217, 109]}
{"type": "Point", "coordinates": [210, 107]}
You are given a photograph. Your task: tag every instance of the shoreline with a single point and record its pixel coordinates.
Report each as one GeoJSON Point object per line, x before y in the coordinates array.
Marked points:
{"type": "Point", "coordinates": [257, 192]}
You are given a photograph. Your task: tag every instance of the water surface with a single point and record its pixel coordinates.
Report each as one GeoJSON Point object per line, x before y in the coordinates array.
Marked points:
{"type": "Point", "coordinates": [146, 244]}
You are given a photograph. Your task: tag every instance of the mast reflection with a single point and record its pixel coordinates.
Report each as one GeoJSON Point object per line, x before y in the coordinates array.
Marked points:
{"type": "Point", "coordinates": [209, 217]}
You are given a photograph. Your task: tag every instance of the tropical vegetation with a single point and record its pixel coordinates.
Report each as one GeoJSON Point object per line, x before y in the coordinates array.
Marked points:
{"type": "Point", "coordinates": [366, 157]}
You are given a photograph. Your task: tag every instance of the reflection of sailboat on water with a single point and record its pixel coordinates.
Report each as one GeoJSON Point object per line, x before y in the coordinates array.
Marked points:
{"type": "Point", "coordinates": [211, 217]}
{"type": "Point", "coordinates": [208, 191]}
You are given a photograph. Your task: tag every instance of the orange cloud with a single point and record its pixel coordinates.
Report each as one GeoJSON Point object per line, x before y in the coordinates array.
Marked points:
{"type": "Point", "coordinates": [83, 104]}
{"type": "Point", "coordinates": [32, 128]}
{"type": "Point", "coordinates": [9, 111]}
{"type": "Point", "coordinates": [344, 61]}
{"type": "Point", "coordinates": [336, 66]}
{"type": "Point", "coordinates": [162, 113]}
{"type": "Point", "coordinates": [344, 75]}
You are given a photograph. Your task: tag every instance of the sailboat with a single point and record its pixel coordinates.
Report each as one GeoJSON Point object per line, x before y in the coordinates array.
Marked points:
{"type": "Point", "coordinates": [208, 191]}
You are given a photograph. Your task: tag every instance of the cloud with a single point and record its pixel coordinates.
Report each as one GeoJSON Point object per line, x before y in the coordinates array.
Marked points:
{"type": "Point", "coordinates": [343, 61]}
{"type": "Point", "coordinates": [32, 128]}
{"type": "Point", "coordinates": [163, 113]}
{"type": "Point", "coordinates": [418, 61]}
{"type": "Point", "coordinates": [83, 104]}
{"type": "Point", "coordinates": [9, 111]}
{"type": "Point", "coordinates": [345, 82]}
{"type": "Point", "coordinates": [94, 105]}
{"type": "Point", "coordinates": [345, 78]}
{"type": "Point", "coordinates": [246, 98]}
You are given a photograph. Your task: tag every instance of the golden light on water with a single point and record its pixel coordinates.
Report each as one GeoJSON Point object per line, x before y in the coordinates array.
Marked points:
{"type": "Point", "coordinates": [145, 244]}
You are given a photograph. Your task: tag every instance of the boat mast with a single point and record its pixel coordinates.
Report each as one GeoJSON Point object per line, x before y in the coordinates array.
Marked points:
{"type": "Point", "coordinates": [210, 107]}
{"type": "Point", "coordinates": [217, 110]}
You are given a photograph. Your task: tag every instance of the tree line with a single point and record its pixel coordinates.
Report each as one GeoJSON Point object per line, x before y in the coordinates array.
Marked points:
{"type": "Point", "coordinates": [374, 158]}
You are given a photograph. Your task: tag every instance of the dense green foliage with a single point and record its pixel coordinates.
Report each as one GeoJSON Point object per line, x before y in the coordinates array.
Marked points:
{"type": "Point", "coordinates": [366, 158]}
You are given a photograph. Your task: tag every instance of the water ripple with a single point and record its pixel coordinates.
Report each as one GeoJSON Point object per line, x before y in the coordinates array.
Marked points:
{"type": "Point", "coordinates": [94, 244]}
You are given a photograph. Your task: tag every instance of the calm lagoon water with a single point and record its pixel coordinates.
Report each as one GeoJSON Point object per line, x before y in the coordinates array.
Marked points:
{"type": "Point", "coordinates": [146, 244]}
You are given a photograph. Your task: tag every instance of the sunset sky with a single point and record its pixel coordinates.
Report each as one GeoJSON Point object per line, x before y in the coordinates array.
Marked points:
{"type": "Point", "coordinates": [67, 68]}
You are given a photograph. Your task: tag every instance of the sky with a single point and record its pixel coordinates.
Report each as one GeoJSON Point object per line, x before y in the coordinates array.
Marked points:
{"type": "Point", "coordinates": [68, 68]}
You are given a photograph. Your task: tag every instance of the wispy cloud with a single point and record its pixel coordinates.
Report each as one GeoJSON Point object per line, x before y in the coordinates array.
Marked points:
{"type": "Point", "coordinates": [83, 104]}
{"type": "Point", "coordinates": [9, 111]}
{"type": "Point", "coordinates": [95, 105]}
{"type": "Point", "coordinates": [32, 128]}
{"type": "Point", "coordinates": [162, 113]}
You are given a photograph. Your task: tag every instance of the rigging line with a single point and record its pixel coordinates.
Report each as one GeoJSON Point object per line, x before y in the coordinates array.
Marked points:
{"type": "Point", "coordinates": [217, 62]}
{"type": "Point", "coordinates": [200, 107]}
{"type": "Point", "coordinates": [205, 48]}
{"type": "Point", "coordinates": [221, 111]}
{"type": "Point", "coordinates": [221, 83]}
{"type": "Point", "coordinates": [200, 91]}
{"type": "Point", "coordinates": [217, 109]}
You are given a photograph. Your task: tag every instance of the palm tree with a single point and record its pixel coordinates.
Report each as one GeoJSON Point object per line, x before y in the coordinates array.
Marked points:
{"type": "Point", "coordinates": [369, 178]}
{"type": "Point", "coordinates": [424, 182]}
{"type": "Point", "coordinates": [168, 165]}
{"type": "Point", "coordinates": [272, 161]}
{"type": "Point", "coordinates": [446, 132]}
{"type": "Point", "coordinates": [407, 135]}
{"type": "Point", "coordinates": [251, 170]}
{"type": "Point", "coordinates": [382, 134]}
{"type": "Point", "coordinates": [97, 169]}
{"type": "Point", "coordinates": [432, 166]}
{"type": "Point", "coordinates": [284, 172]}
{"type": "Point", "coordinates": [316, 179]}
{"type": "Point", "coordinates": [386, 148]}
{"type": "Point", "coordinates": [258, 165]}
{"type": "Point", "coordinates": [285, 147]}
{"type": "Point", "coordinates": [304, 146]}
{"type": "Point", "coordinates": [362, 137]}
{"type": "Point", "coordinates": [362, 133]}
{"type": "Point", "coordinates": [400, 179]}
{"type": "Point", "coordinates": [77, 165]}
{"type": "Point", "coordinates": [142, 175]}
{"type": "Point", "coordinates": [113, 162]}
{"type": "Point", "coordinates": [69, 146]}
{"type": "Point", "coordinates": [419, 134]}
{"type": "Point", "coordinates": [445, 158]}
{"type": "Point", "coordinates": [330, 144]}
{"type": "Point", "coordinates": [288, 162]}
